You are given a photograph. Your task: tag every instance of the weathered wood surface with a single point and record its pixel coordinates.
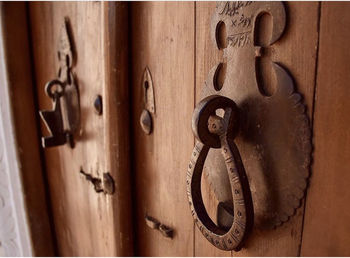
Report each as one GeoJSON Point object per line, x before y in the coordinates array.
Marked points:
{"type": "Point", "coordinates": [174, 41]}
{"type": "Point", "coordinates": [88, 223]}
{"type": "Point", "coordinates": [326, 226]}
{"type": "Point", "coordinates": [117, 121]}
{"type": "Point", "coordinates": [163, 40]}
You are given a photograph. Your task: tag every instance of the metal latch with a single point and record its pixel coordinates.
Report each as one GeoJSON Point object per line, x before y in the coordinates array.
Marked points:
{"type": "Point", "coordinates": [64, 120]}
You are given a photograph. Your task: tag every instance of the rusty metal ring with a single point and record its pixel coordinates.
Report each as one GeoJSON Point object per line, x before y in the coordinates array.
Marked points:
{"type": "Point", "coordinates": [206, 108]}
{"type": "Point", "coordinates": [56, 93]}
{"type": "Point", "coordinates": [233, 238]}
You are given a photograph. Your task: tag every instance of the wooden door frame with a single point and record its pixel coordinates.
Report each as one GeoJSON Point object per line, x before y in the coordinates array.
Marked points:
{"type": "Point", "coordinates": [25, 204]}
{"type": "Point", "coordinates": [14, 234]}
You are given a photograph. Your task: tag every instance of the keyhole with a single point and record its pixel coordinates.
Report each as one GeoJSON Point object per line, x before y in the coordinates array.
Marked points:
{"type": "Point", "coordinates": [264, 71]}
{"type": "Point", "coordinates": [146, 85]}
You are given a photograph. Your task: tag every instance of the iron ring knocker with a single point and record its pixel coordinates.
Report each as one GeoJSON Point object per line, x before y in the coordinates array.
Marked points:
{"type": "Point", "coordinates": [213, 131]}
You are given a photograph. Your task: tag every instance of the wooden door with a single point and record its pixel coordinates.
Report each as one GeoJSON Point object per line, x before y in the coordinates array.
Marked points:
{"type": "Point", "coordinates": [326, 223]}
{"type": "Point", "coordinates": [88, 223]}
{"type": "Point", "coordinates": [163, 40]}
{"type": "Point", "coordinates": [115, 44]}
{"type": "Point", "coordinates": [173, 40]}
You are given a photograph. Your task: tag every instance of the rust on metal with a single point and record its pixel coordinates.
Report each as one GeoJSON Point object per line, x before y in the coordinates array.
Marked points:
{"type": "Point", "coordinates": [148, 91]}
{"type": "Point", "coordinates": [166, 231]}
{"type": "Point", "coordinates": [146, 121]}
{"type": "Point", "coordinates": [105, 185]}
{"type": "Point", "coordinates": [274, 136]}
{"type": "Point", "coordinates": [155, 224]}
{"type": "Point", "coordinates": [152, 222]}
{"type": "Point", "coordinates": [149, 103]}
{"type": "Point", "coordinates": [217, 132]}
{"type": "Point", "coordinates": [64, 120]}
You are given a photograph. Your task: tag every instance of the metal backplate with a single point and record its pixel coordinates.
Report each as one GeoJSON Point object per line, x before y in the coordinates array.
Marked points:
{"type": "Point", "coordinates": [275, 137]}
{"type": "Point", "coordinates": [71, 102]}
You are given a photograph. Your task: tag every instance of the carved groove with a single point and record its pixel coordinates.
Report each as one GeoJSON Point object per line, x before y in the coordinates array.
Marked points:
{"type": "Point", "coordinates": [221, 35]}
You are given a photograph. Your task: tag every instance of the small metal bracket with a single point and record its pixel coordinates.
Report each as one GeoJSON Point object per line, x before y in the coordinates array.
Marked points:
{"type": "Point", "coordinates": [64, 120]}
{"type": "Point", "coordinates": [155, 224]}
{"type": "Point", "coordinates": [105, 185]}
{"type": "Point", "coordinates": [149, 105]}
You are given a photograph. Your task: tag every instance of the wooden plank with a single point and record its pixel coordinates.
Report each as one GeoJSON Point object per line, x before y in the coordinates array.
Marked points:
{"type": "Point", "coordinates": [296, 51]}
{"type": "Point", "coordinates": [85, 221]}
{"type": "Point", "coordinates": [163, 40]}
{"type": "Point", "coordinates": [327, 227]}
{"type": "Point", "coordinates": [117, 120]}
{"type": "Point", "coordinates": [206, 57]}
{"type": "Point", "coordinates": [17, 55]}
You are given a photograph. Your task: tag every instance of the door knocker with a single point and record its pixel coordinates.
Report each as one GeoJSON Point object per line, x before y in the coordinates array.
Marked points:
{"type": "Point", "coordinates": [253, 148]}
{"type": "Point", "coordinates": [63, 121]}
{"type": "Point", "coordinates": [213, 131]}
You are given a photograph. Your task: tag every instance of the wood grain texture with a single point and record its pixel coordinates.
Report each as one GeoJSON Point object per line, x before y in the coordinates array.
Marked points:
{"type": "Point", "coordinates": [296, 51]}
{"type": "Point", "coordinates": [163, 40]}
{"type": "Point", "coordinates": [117, 120]}
{"type": "Point", "coordinates": [17, 51]}
{"type": "Point", "coordinates": [207, 56]}
{"type": "Point", "coordinates": [87, 223]}
{"type": "Point", "coordinates": [327, 227]}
